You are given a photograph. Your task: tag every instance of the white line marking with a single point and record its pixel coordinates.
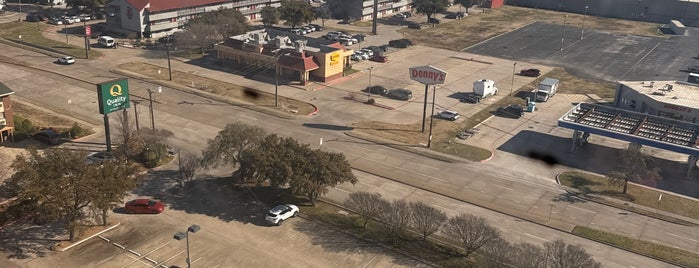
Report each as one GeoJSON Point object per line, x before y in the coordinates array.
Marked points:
{"type": "Point", "coordinates": [695, 241]}
{"type": "Point", "coordinates": [305, 132]}
{"type": "Point", "coordinates": [443, 208]}
{"type": "Point", "coordinates": [590, 211]}
{"type": "Point", "coordinates": [173, 256]}
{"type": "Point", "coordinates": [508, 188]}
{"type": "Point", "coordinates": [537, 237]}
{"type": "Point", "coordinates": [369, 262]}
{"type": "Point", "coordinates": [428, 166]}
{"type": "Point", "coordinates": [342, 190]}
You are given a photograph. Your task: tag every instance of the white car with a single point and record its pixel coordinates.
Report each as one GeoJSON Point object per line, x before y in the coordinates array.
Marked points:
{"type": "Point", "coordinates": [449, 115]}
{"type": "Point", "coordinates": [66, 60]}
{"type": "Point", "coordinates": [280, 213]}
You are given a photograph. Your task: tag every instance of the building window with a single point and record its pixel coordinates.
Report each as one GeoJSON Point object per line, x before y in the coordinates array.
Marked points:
{"type": "Point", "coordinates": [173, 19]}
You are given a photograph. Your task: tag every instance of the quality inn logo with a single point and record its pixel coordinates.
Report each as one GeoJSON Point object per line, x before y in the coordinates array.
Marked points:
{"type": "Point", "coordinates": [115, 90]}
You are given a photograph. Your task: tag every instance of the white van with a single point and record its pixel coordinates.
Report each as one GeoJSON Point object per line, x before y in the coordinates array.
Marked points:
{"type": "Point", "coordinates": [106, 41]}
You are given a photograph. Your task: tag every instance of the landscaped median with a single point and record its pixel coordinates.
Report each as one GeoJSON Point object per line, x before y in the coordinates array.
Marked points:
{"type": "Point", "coordinates": [591, 185]}
{"type": "Point", "coordinates": [669, 254]}
{"type": "Point", "coordinates": [30, 34]}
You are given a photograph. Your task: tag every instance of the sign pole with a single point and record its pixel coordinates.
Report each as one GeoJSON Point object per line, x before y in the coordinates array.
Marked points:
{"type": "Point", "coordinates": [106, 133]}
{"type": "Point", "coordinates": [424, 109]}
{"type": "Point", "coordinates": [429, 139]}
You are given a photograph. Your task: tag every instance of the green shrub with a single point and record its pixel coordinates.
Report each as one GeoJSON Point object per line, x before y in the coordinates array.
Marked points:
{"type": "Point", "coordinates": [24, 126]}
{"type": "Point", "coordinates": [78, 131]}
{"type": "Point", "coordinates": [152, 155]}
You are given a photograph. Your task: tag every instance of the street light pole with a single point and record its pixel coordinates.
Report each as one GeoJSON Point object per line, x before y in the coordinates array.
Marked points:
{"type": "Point", "coordinates": [167, 49]}
{"type": "Point", "coordinates": [368, 89]}
{"type": "Point", "coordinates": [582, 28]}
{"type": "Point", "coordinates": [185, 235]}
{"type": "Point", "coordinates": [514, 70]}
{"type": "Point", "coordinates": [276, 82]}
{"type": "Point", "coordinates": [563, 35]}
{"type": "Point", "coordinates": [150, 99]}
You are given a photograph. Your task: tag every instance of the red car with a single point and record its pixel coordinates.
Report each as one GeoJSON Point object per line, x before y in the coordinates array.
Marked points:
{"type": "Point", "coordinates": [379, 58]}
{"type": "Point", "coordinates": [144, 206]}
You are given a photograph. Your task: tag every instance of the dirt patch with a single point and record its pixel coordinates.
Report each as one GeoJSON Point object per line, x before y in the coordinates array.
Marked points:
{"type": "Point", "coordinates": [41, 118]}
{"type": "Point", "coordinates": [460, 34]}
{"type": "Point", "coordinates": [233, 92]}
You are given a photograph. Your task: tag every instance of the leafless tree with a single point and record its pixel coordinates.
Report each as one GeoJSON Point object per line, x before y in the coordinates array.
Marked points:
{"type": "Point", "coordinates": [368, 205]}
{"type": "Point", "coordinates": [426, 219]}
{"type": "Point", "coordinates": [562, 255]}
{"type": "Point", "coordinates": [130, 142]}
{"type": "Point", "coordinates": [395, 217]}
{"type": "Point", "coordinates": [500, 253]}
{"type": "Point", "coordinates": [470, 232]}
{"type": "Point", "coordinates": [634, 166]}
{"type": "Point", "coordinates": [189, 164]}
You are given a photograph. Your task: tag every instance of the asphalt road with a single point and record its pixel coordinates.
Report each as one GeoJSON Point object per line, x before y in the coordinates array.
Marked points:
{"type": "Point", "coordinates": [516, 191]}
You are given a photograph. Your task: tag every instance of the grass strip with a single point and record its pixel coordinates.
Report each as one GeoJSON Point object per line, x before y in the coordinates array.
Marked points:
{"type": "Point", "coordinates": [593, 184]}
{"type": "Point", "coordinates": [665, 253]}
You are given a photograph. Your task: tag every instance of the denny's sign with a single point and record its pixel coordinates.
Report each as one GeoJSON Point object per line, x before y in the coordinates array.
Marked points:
{"type": "Point", "coordinates": [113, 95]}
{"type": "Point", "coordinates": [428, 75]}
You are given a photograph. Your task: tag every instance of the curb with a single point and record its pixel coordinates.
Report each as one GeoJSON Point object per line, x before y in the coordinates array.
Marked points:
{"type": "Point", "coordinates": [89, 237]}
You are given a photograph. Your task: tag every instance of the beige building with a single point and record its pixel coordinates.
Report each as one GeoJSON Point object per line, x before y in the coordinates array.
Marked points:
{"type": "Point", "coordinates": [158, 18]}
{"type": "Point", "coordinates": [7, 125]}
{"type": "Point", "coordinates": [298, 58]}
{"type": "Point", "coordinates": [671, 99]}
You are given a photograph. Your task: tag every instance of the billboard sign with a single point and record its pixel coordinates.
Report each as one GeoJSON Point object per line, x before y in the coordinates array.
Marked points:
{"type": "Point", "coordinates": [88, 30]}
{"type": "Point", "coordinates": [428, 75]}
{"type": "Point", "coordinates": [113, 95]}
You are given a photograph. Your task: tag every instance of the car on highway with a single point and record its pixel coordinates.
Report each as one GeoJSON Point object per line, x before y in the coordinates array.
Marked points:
{"type": "Point", "coordinates": [512, 111]}
{"type": "Point", "coordinates": [66, 60]}
{"type": "Point", "coordinates": [377, 90]}
{"type": "Point", "coordinates": [448, 115]}
{"type": "Point", "coordinates": [379, 58]}
{"type": "Point", "coordinates": [144, 206]}
{"type": "Point", "coordinates": [277, 215]}
{"type": "Point", "coordinates": [530, 72]}
{"type": "Point", "coordinates": [400, 94]}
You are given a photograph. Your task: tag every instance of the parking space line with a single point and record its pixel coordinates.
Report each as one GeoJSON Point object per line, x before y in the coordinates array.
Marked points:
{"type": "Point", "coordinates": [173, 256]}
{"type": "Point", "coordinates": [144, 256]}
{"type": "Point", "coordinates": [369, 262]}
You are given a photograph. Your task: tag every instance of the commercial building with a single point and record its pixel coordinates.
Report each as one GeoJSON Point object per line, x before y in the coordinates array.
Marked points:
{"type": "Point", "coordinates": [7, 123]}
{"type": "Point", "coordinates": [158, 18]}
{"type": "Point", "coordinates": [671, 99]}
{"type": "Point", "coordinates": [363, 9]}
{"type": "Point", "coordinates": [298, 58]}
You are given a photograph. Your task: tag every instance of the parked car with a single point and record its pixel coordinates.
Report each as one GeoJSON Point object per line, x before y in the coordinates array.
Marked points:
{"type": "Point", "coordinates": [144, 206]}
{"type": "Point", "coordinates": [66, 60]}
{"type": "Point", "coordinates": [397, 44]}
{"type": "Point", "coordinates": [400, 16]}
{"type": "Point", "coordinates": [49, 137]}
{"type": "Point", "coordinates": [448, 115]}
{"type": "Point", "coordinates": [407, 41]}
{"type": "Point", "coordinates": [359, 37]}
{"type": "Point", "coordinates": [356, 57]}
{"type": "Point", "coordinates": [55, 21]}
{"type": "Point", "coordinates": [379, 58]}
{"type": "Point", "coordinates": [297, 31]}
{"type": "Point", "coordinates": [363, 55]}
{"type": "Point", "coordinates": [32, 18]}
{"type": "Point", "coordinates": [512, 111]}
{"type": "Point", "coordinates": [98, 157]}
{"type": "Point", "coordinates": [408, 14]}
{"type": "Point", "coordinates": [377, 90]}
{"type": "Point", "coordinates": [415, 25]}
{"type": "Point", "coordinates": [277, 215]}
{"type": "Point", "coordinates": [317, 27]}
{"type": "Point", "coordinates": [308, 28]}
{"type": "Point", "coordinates": [433, 21]}
{"type": "Point", "coordinates": [530, 72]}
{"type": "Point", "coordinates": [369, 52]}
{"type": "Point", "coordinates": [400, 94]}
{"type": "Point", "coordinates": [693, 69]}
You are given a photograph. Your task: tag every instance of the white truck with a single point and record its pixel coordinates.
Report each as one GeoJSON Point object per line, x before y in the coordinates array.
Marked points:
{"type": "Point", "coordinates": [547, 88]}
{"type": "Point", "coordinates": [484, 88]}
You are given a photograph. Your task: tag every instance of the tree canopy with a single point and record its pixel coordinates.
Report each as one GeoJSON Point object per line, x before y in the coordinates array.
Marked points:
{"type": "Point", "coordinates": [295, 12]}
{"type": "Point", "coordinates": [634, 166]}
{"type": "Point", "coordinates": [65, 186]}
{"type": "Point", "coordinates": [430, 7]}
{"type": "Point", "coordinates": [270, 15]}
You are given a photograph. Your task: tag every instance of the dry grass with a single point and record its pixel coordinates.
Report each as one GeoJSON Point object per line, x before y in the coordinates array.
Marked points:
{"type": "Point", "coordinates": [231, 91]}
{"type": "Point", "coordinates": [460, 34]}
{"type": "Point", "coordinates": [42, 118]}
{"type": "Point", "coordinates": [31, 33]}
{"type": "Point", "coordinates": [574, 85]}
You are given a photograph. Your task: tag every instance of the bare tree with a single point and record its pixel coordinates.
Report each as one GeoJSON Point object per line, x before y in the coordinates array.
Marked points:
{"type": "Point", "coordinates": [634, 166]}
{"type": "Point", "coordinates": [426, 219]}
{"type": "Point", "coordinates": [470, 232]}
{"type": "Point", "coordinates": [368, 205]}
{"type": "Point", "coordinates": [189, 164]}
{"type": "Point", "coordinates": [562, 255]}
{"type": "Point", "coordinates": [395, 217]}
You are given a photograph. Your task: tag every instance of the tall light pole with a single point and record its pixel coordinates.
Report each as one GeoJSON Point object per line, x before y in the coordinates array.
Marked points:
{"type": "Point", "coordinates": [582, 28]}
{"type": "Point", "coordinates": [368, 89]}
{"type": "Point", "coordinates": [429, 138]}
{"type": "Point", "coordinates": [563, 34]}
{"type": "Point", "coordinates": [185, 235]}
{"type": "Point", "coordinates": [276, 81]}
{"type": "Point", "coordinates": [514, 70]}
{"type": "Point", "coordinates": [150, 99]}
{"type": "Point", "coordinates": [167, 50]}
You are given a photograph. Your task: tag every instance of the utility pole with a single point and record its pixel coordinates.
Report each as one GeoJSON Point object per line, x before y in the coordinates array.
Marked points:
{"type": "Point", "coordinates": [514, 70]}
{"type": "Point", "coordinates": [167, 49]}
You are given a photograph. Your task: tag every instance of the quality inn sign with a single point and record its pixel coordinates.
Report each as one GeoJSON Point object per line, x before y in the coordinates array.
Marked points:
{"type": "Point", "coordinates": [113, 95]}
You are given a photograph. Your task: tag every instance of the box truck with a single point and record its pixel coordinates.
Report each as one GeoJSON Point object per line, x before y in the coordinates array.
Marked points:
{"type": "Point", "coordinates": [547, 88]}
{"type": "Point", "coordinates": [484, 88]}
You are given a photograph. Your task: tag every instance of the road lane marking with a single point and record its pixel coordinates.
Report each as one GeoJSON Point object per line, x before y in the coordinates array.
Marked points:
{"type": "Point", "coordinates": [587, 210]}
{"type": "Point", "coordinates": [443, 208]}
{"type": "Point", "coordinates": [693, 240]}
{"type": "Point", "coordinates": [342, 190]}
{"type": "Point", "coordinates": [505, 187]}
{"type": "Point", "coordinates": [540, 238]}
{"type": "Point", "coordinates": [428, 166]}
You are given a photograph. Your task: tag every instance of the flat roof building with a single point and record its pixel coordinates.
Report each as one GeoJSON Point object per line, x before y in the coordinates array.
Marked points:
{"type": "Point", "coordinates": [671, 99]}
